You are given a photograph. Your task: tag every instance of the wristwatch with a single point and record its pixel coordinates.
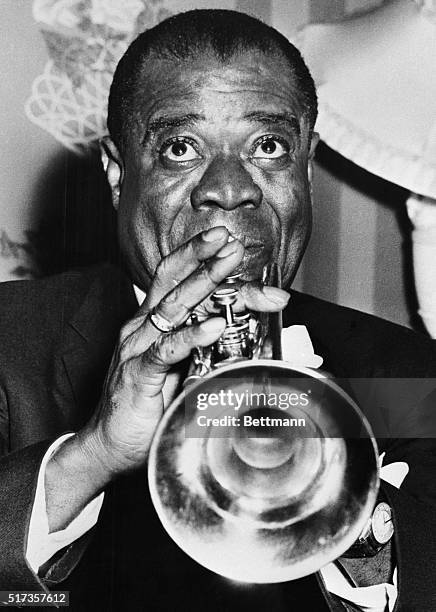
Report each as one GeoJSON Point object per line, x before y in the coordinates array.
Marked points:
{"type": "Point", "coordinates": [375, 535]}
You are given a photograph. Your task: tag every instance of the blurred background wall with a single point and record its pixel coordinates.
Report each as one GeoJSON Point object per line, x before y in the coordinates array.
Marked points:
{"type": "Point", "coordinates": [54, 205]}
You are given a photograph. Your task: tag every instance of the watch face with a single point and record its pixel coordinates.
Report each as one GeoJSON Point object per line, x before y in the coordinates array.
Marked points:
{"type": "Point", "coordinates": [382, 525]}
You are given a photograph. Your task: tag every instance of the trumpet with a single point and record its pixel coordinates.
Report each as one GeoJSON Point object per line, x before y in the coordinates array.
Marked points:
{"type": "Point", "coordinates": [254, 489]}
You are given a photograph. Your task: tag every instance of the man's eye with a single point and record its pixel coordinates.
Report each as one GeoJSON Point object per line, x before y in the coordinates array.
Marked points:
{"type": "Point", "coordinates": [179, 151]}
{"type": "Point", "coordinates": [269, 148]}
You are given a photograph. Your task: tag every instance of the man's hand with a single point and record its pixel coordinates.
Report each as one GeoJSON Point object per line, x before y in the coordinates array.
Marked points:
{"type": "Point", "coordinates": [118, 437]}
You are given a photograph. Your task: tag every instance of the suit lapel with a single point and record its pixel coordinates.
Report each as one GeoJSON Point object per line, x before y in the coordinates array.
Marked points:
{"type": "Point", "coordinates": [90, 337]}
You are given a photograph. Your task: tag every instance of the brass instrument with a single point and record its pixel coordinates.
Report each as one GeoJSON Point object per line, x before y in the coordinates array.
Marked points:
{"type": "Point", "coordinates": [267, 502]}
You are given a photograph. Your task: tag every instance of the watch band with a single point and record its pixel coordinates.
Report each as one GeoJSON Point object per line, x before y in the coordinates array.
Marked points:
{"type": "Point", "coordinates": [369, 543]}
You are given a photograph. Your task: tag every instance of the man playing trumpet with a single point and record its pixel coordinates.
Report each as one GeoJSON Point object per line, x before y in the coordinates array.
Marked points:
{"type": "Point", "coordinates": [211, 118]}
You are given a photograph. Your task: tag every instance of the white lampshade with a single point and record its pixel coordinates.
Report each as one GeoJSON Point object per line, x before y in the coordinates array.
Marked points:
{"type": "Point", "coordinates": [376, 78]}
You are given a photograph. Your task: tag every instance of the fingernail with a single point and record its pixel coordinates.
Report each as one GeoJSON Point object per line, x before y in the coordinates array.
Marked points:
{"type": "Point", "coordinates": [276, 295]}
{"type": "Point", "coordinates": [211, 326]}
{"type": "Point", "coordinates": [228, 249]}
{"type": "Point", "coordinates": [215, 233]}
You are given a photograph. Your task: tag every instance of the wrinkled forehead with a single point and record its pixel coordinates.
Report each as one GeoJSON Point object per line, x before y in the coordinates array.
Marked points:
{"type": "Point", "coordinates": [245, 83]}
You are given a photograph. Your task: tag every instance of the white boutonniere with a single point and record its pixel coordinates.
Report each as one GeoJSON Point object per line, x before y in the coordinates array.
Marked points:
{"type": "Point", "coordinates": [297, 347]}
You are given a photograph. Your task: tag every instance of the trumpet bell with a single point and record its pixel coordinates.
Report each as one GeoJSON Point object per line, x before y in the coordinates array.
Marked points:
{"type": "Point", "coordinates": [262, 472]}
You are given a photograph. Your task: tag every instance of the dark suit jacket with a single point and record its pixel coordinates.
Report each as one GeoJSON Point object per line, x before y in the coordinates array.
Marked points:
{"type": "Point", "coordinates": [56, 339]}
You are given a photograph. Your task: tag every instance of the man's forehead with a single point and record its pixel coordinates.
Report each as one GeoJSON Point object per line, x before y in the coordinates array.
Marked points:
{"type": "Point", "coordinates": [248, 82]}
{"type": "Point", "coordinates": [163, 121]}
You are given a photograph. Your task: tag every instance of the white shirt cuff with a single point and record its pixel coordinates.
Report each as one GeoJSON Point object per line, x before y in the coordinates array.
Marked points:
{"type": "Point", "coordinates": [42, 545]}
{"type": "Point", "coordinates": [368, 599]}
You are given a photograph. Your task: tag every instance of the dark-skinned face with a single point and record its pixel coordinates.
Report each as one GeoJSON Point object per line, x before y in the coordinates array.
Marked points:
{"type": "Point", "coordinates": [217, 144]}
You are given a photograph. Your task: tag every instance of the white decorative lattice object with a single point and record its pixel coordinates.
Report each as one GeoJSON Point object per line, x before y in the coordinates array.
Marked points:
{"type": "Point", "coordinates": [85, 39]}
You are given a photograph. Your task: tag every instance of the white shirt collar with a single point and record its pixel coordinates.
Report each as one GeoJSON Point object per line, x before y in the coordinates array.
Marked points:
{"type": "Point", "coordinates": [140, 294]}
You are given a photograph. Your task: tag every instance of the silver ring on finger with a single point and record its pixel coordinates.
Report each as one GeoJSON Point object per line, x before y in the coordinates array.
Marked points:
{"type": "Point", "coordinates": [161, 323]}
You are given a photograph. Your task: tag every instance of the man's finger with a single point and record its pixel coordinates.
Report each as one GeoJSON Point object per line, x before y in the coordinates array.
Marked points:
{"type": "Point", "coordinates": [153, 365]}
{"type": "Point", "coordinates": [182, 262]}
{"type": "Point", "coordinates": [251, 296]}
{"type": "Point", "coordinates": [262, 298]}
{"type": "Point", "coordinates": [178, 305]}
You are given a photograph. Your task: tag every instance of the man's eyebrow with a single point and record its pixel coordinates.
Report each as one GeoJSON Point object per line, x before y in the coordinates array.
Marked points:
{"type": "Point", "coordinates": [170, 121]}
{"type": "Point", "coordinates": [266, 118]}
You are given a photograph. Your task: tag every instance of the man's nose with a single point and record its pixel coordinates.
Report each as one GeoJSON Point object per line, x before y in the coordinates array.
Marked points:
{"type": "Point", "coordinates": [226, 184]}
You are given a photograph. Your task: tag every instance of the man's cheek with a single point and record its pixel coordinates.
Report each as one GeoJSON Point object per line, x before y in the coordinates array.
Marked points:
{"type": "Point", "coordinates": [167, 193]}
{"type": "Point", "coordinates": [158, 218]}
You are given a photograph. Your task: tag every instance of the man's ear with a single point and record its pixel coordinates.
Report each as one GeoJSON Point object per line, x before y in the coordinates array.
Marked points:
{"type": "Point", "coordinates": [113, 167]}
{"type": "Point", "coordinates": [313, 144]}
